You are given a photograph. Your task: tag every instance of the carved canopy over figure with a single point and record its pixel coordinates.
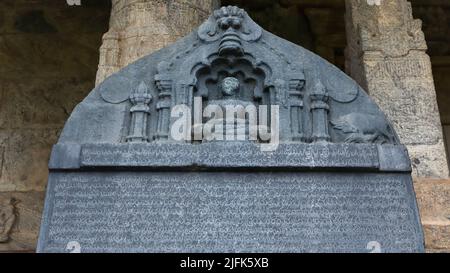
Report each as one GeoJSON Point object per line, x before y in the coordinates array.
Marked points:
{"type": "Point", "coordinates": [317, 102]}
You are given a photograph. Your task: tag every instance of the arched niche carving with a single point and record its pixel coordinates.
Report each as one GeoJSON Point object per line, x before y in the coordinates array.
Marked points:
{"type": "Point", "coordinates": [237, 81]}
{"type": "Point", "coordinates": [317, 102]}
{"type": "Point", "coordinates": [254, 79]}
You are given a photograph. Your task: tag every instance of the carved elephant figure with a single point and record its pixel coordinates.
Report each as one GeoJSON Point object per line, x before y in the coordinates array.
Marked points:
{"type": "Point", "coordinates": [364, 128]}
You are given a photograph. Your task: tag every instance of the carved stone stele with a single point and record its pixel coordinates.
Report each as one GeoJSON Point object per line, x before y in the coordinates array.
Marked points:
{"type": "Point", "coordinates": [324, 173]}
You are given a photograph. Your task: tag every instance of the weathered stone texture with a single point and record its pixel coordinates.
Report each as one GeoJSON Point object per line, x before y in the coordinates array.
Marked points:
{"type": "Point", "coordinates": [428, 160]}
{"type": "Point", "coordinates": [433, 198]}
{"type": "Point", "coordinates": [447, 138]}
{"type": "Point", "coordinates": [41, 81]}
{"type": "Point", "coordinates": [387, 55]}
{"type": "Point", "coordinates": [437, 236]}
{"type": "Point", "coordinates": [140, 27]}
{"type": "Point", "coordinates": [319, 27]}
{"type": "Point", "coordinates": [229, 212]}
{"type": "Point", "coordinates": [27, 210]}
{"type": "Point", "coordinates": [48, 56]}
{"type": "Point", "coordinates": [26, 152]}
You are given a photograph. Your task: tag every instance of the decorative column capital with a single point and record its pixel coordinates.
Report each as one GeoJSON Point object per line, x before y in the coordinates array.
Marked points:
{"type": "Point", "coordinates": [319, 97]}
{"type": "Point", "coordinates": [140, 98]}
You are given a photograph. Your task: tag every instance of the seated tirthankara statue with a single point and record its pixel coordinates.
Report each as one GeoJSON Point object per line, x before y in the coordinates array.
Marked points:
{"type": "Point", "coordinates": [331, 177]}
{"type": "Point", "coordinates": [231, 122]}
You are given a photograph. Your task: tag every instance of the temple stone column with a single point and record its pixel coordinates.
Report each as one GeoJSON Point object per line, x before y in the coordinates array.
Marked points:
{"type": "Point", "coordinates": [140, 27]}
{"type": "Point", "coordinates": [387, 55]}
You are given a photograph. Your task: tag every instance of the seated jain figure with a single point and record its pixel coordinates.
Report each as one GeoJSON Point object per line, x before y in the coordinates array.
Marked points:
{"type": "Point", "coordinates": [231, 118]}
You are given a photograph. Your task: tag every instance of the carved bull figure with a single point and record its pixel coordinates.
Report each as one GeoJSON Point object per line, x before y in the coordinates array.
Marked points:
{"type": "Point", "coordinates": [364, 128]}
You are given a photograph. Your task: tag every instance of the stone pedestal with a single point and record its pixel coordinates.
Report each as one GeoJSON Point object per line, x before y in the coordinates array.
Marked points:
{"type": "Point", "coordinates": [386, 54]}
{"type": "Point", "coordinates": [140, 27]}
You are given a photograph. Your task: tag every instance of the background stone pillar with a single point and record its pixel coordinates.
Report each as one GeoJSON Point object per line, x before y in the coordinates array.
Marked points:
{"type": "Point", "coordinates": [386, 54]}
{"type": "Point", "coordinates": [140, 27]}
{"type": "Point", "coordinates": [48, 57]}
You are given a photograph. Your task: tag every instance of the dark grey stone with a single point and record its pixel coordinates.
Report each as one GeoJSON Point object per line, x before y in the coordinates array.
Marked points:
{"type": "Point", "coordinates": [65, 156]}
{"type": "Point", "coordinates": [339, 180]}
{"type": "Point", "coordinates": [231, 155]}
{"type": "Point", "coordinates": [393, 158]}
{"type": "Point", "coordinates": [231, 212]}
